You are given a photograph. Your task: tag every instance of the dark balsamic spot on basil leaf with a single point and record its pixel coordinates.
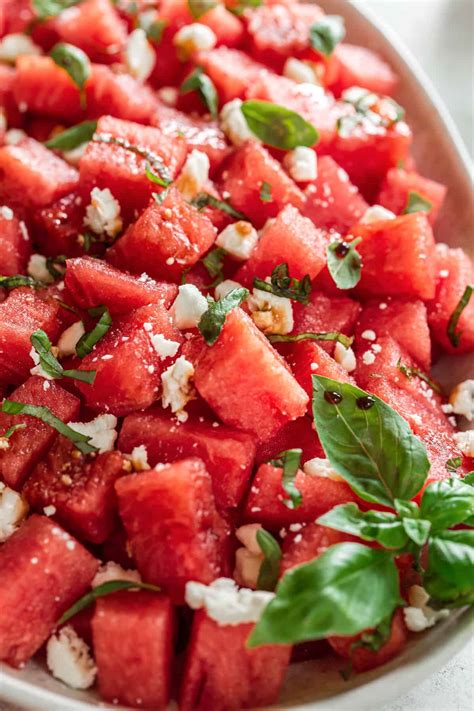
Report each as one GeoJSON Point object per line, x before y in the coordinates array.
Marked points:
{"type": "Point", "coordinates": [203, 200]}
{"type": "Point", "coordinates": [365, 403]}
{"type": "Point", "coordinates": [270, 568]}
{"type": "Point", "coordinates": [453, 335]}
{"type": "Point", "coordinates": [326, 33]}
{"type": "Point", "coordinates": [332, 398]}
{"type": "Point", "coordinates": [72, 137]}
{"type": "Point", "coordinates": [278, 126]}
{"type": "Point", "coordinates": [203, 85]}
{"type": "Point", "coordinates": [282, 284]}
{"type": "Point", "coordinates": [416, 203]}
{"type": "Point", "coordinates": [213, 320]}
{"type": "Point", "coordinates": [87, 341]}
{"type": "Point", "coordinates": [310, 336]}
{"type": "Point", "coordinates": [290, 462]}
{"type": "Point", "coordinates": [344, 263]}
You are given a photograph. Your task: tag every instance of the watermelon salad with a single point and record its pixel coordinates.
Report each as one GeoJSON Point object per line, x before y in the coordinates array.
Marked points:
{"type": "Point", "coordinates": [222, 450]}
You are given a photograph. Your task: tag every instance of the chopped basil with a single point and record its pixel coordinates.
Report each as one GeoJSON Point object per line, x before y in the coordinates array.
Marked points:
{"type": "Point", "coordinates": [242, 5]}
{"type": "Point", "coordinates": [266, 192]}
{"type": "Point", "coordinates": [270, 568]}
{"type": "Point", "coordinates": [326, 34]}
{"type": "Point", "coordinates": [50, 364]}
{"type": "Point", "coordinates": [202, 200]}
{"type": "Point", "coordinates": [213, 320]}
{"type": "Point", "coordinates": [107, 588]}
{"type": "Point", "coordinates": [154, 178]}
{"type": "Point", "coordinates": [381, 526]}
{"type": "Point", "coordinates": [376, 638]}
{"type": "Point", "coordinates": [453, 464]}
{"type": "Point", "coordinates": [13, 282]}
{"type": "Point", "coordinates": [45, 9]}
{"type": "Point", "coordinates": [75, 62]}
{"type": "Point", "coordinates": [310, 336]}
{"type": "Point", "coordinates": [344, 263]}
{"type": "Point", "coordinates": [290, 462]}
{"type": "Point", "coordinates": [72, 137]}
{"type": "Point", "coordinates": [154, 28]}
{"type": "Point", "coordinates": [214, 262]}
{"type": "Point", "coordinates": [52, 264]}
{"type": "Point", "coordinates": [152, 158]}
{"type": "Point", "coordinates": [410, 371]}
{"type": "Point", "coordinates": [203, 85]}
{"type": "Point", "coordinates": [87, 341]}
{"type": "Point", "coordinates": [345, 125]}
{"type": "Point", "coordinates": [198, 8]}
{"type": "Point", "coordinates": [453, 335]}
{"type": "Point", "coordinates": [416, 203]}
{"type": "Point", "coordinates": [159, 198]}
{"type": "Point", "coordinates": [10, 407]}
{"type": "Point", "coordinates": [278, 126]}
{"type": "Point", "coordinates": [281, 284]}
{"type": "Point", "coordinates": [11, 430]}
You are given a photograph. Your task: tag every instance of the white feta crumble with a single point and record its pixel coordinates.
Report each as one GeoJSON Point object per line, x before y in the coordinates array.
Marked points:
{"type": "Point", "coordinates": [300, 72]}
{"type": "Point", "coordinates": [69, 660]}
{"type": "Point", "coordinates": [462, 399]}
{"type": "Point", "coordinates": [139, 458]}
{"type": "Point", "coordinates": [302, 164]}
{"type": "Point", "coordinates": [233, 123]}
{"type": "Point", "coordinates": [271, 313]}
{"type": "Point", "coordinates": [140, 56]}
{"type": "Point", "coordinates": [13, 509]}
{"type": "Point", "coordinates": [6, 212]}
{"type": "Point", "coordinates": [225, 603]}
{"type": "Point", "coordinates": [177, 387]}
{"type": "Point", "coordinates": [368, 358]}
{"type": "Point", "coordinates": [49, 510]}
{"type": "Point", "coordinates": [419, 616]}
{"type": "Point", "coordinates": [188, 307]}
{"type": "Point", "coordinates": [15, 136]}
{"type": "Point", "coordinates": [345, 357]}
{"type": "Point", "coordinates": [38, 368]}
{"type": "Point", "coordinates": [38, 270]}
{"type": "Point", "coordinates": [194, 174]}
{"type": "Point", "coordinates": [194, 38]}
{"type": "Point", "coordinates": [75, 154]}
{"type": "Point", "coordinates": [69, 338]}
{"type": "Point", "coordinates": [321, 467]}
{"type": "Point", "coordinates": [225, 287]}
{"type": "Point", "coordinates": [168, 95]}
{"type": "Point", "coordinates": [377, 213]}
{"type": "Point", "coordinates": [113, 571]}
{"type": "Point", "coordinates": [353, 94]}
{"type": "Point", "coordinates": [16, 45]}
{"type": "Point", "coordinates": [103, 213]}
{"type": "Point", "coordinates": [164, 347]}
{"type": "Point", "coordinates": [369, 335]}
{"type": "Point", "coordinates": [238, 239]}
{"type": "Point", "coordinates": [101, 431]}
{"type": "Point", "coordinates": [465, 442]}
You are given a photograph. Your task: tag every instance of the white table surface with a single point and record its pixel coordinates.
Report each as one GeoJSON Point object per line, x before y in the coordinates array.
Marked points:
{"type": "Point", "coordinates": [441, 35]}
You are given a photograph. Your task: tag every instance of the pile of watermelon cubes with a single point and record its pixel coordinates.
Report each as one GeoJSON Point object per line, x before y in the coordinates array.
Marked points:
{"type": "Point", "coordinates": [135, 196]}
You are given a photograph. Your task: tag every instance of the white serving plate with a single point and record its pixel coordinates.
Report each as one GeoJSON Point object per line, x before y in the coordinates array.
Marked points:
{"type": "Point", "coordinates": [317, 684]}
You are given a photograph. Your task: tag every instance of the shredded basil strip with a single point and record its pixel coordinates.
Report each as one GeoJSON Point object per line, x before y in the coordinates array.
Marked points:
{"type": "Point", "coordinates": [87, 342]}
{"type": "Point", "coordinates": [310, 336]}
{"type": "Point", "coordinates": [50, 364]}
{"type": "Point", "coordinates": [13, 282]}
{"type": "Point", "coordinates": [154, 178]}
{"type": "Point", "coordinates": [75, 62]}
{"type": "Point", "coordinates": [270, 569]}
{"type": "Point", "coordinates": [73, 137]}
{"type": "Point", "coordinates": [410, 371]}
{"type": "Point", "coordinates": [107, 588]}
{"type": "Point", "coordinates": [453, 464]}
{"type": "Point", "coordinates": [213, 262]}
{"type": "Point", "coordinates": [202, 200]}
{"type": "Point", "coordinates": [375, 639]}
{"type": "Point", "coordinates": [11, 430]}
{"type": "Point", "coordinates": [52, 264]}
{"type": "Point", "coordinates": [203, 85]}
{"type": "Point", "coordinates": [198, 8]}
{"type": "Point", "coordinates": [281, 284]}
{"type": "Point", "coordinates": [266, 192]}
{"type": "Point", "coordinates": [326, 34]}
{"type": "Point", "coordinates": [416, 203]}
{"type": "Point", "coordinates": [278, 126]}
{"type": "Point", "coordinates": [154, 160]}
{"type": "Point", "coordinates": [453, 335]}
{"type": "Point", "coordinates": [46, 9]}
{"type": "Point", "coordinates": [213, 320]}
{"type": "Point", "coordinates": [10, 407]}
{"type": "Point", "coordinates": [290, 462]}
{"type": "Point", "coordinates": [344, 263]}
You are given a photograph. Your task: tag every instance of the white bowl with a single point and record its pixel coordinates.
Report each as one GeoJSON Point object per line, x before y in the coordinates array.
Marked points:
{"type": "Point", "coordinates": [317, 684]}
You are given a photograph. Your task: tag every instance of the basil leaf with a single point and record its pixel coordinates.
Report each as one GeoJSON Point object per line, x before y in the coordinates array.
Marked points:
{"type": "Point", "coordinates": [410, 371]}
{"type": "Point", "coordinates": [468, 479]}
{"type": "Point", "coordinates": [154, 178]}
{"type": "Point", "coordinates": [453, 335]}
{"type": "Point", "coordinates": [447, 502]}
{"type": "Point", "coordinates": [370, 445]}
{"type": "Point", "coordinates": [52, 264]}
{"type": "Point", "coordinates": [42, 345]}
{"type": "Point", "coordinates": [310, 336]}
{"type": "Point", "coordinates": [10, 407]}
{"type": "Point", "coordinates": [214, 263]}
{"type": "Point", "coordinates": [344, 263]}
{"type": "Point", "coordinates": [13, 282]}
{"type": "Point", "coordinates": [45, 9]}
{"type": "Point", "coordinates": [417, 530]}
{"type": "Point", "coordinates": [277, 126]}
{"type": "Point", "coordinates": [281, 284]}
{"type": "Point", "coordinates": [213, 320]}
{"type": "Point", "coordinates": [198, 8]}
{"type": "Point", "coordinates": [270, 568]}
{"type": "Point", "coordinates": [152, 158]}
{"type": "Point", "coordinates": [202, 200]}
{"type": "Point", "coordinates": [203, 85]}
{"type": "Point", "coordinates": [383, 527]}
{"type": "Point", "coordinates": [86, 343]}
{"type": "Point", "coordinates": [449, 577]}
{"type": "Point", "coordinates": [107, 588]}
{"type": "Point", "coordinates": [266, 192]}
{"type": "Point", "coordinates": [72, 137]}
{"type": "Point", "coordinates": [74, 61]}
{"type": "Point", "coordinates": [406, 509]}
{"type": "Point", "coordinates": [347, 589]}
{"type": "Point", "coordinates": [376, 638]}
{"type": "Point", "coordinates": [243, 5]}
{"type": "Point", "coordinates": [11, 431]}
{"type": "Point", "coordinates": [154, 28]}
{"type": "Point", "coordinates": [326, 34]}
{"type": "Point", "coordinates": [290, 462]}
{"type": "Point", "coordinates": [453, 464]}
{"type": "Point", "coordinates": [416, 203]}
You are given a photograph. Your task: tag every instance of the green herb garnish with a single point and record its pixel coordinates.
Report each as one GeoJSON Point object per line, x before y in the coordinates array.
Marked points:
{"type": "Point", "coordinates": [72, 137]}
{"type": "Point", "coordinates": [416, 203]}
{"type": "Point", "coordinates": [75, 62]}
{"type": "Point", "coordinates": [202, 200]}
{"type": "Point", "coordinates": [87, 341]}
{"type": "Point", "coordinates": [50, 364]}
{"type": "Point", "coordinates": [266, 192]}
{"type": "Point", "coordinates": [453, 335]}
{"type": "Point", "coordinates": [411, 371]}
{"type": "Point", "coordinates": [213, 320]}
{"type": "Point", "coordinates": [152, 158]}
{"type": "Point", "coordinates": [198, 8]}
{"type": "Point", "coordinates": [326, 34]}
{"type": "Point", "coordinates": [199, 82]}
{"type": "Point", "coordinates": [107, 588]}
{"type": "Point", "coordinates": [344, 263]}
{"type": "Point", "coordinates": [281, 284]}
{"type": "Point", "coordinates": [46, 9]}
{"type": "Point", "coordinates": [13, 282]}
{"type": "Point", "coordinates": [277, 126]}
{"type": "Point", "coordinates": [312, 336]}
{"type": "Point", "coordinates": [290, 462]}
{"type": "Point", "coordinates": [270, 568]}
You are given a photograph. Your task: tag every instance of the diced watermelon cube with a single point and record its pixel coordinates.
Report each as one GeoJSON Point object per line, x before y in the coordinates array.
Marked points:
{"type": "Point", "coordinates": [165, 240]}
{"type": "Point", "coordinates": [27, 446]}
{"type": "Point", "coordinates": [33, 176]}
{"type": "Point", "coordinates": [15, 244]}
{"type": "Point", "coordinates": [7, 99]}
{"type": "Point", "coordinates": [119, 95]}
{"type": "Point", "coordinates": [133, 648]}
{"type": "Point", "coordinates": [250, 167]}
{"type": "Point", "coordinates": [85, 502]}
{"type": "Point", "coordinates": [325, 313]}
{"type": "Point", "coordinates": [332, 201]}
{"type": "Point", "coordinates": [94, 26]}
{"type": "Point", "coordinates": [59, 225]}
{"type": "Point", "coordinates": [307, 358]}
{"type": "Point", "coordinates": [289, 238]}
{"type": "Point", "coordinates": [399, 183]}
{"type": "Point", "coordinates": [227, 28]}
{"type": "Point", "coordinates": [243, 678]}
{"type": "Point", "coordinates": [298, 433]}
{"type": "Point", "coordinates": [128, 368]}
{"type": "Point", "coordinates": [360, 66]}
{"type": "Point", "coordinates": [227, 453]}
{"type": "Point", "coordinates": [246, 382]}
{"type": "Point", "coordinates": [173, 528]}
{"type": "Point", "coordinates": [312, 540]}
{"type": "Point", "coordinates": [45, 88]}
{"type": "Point", "coordinates": [398, 257]}
{"type": "Point", "coordinates": [231, 70]}
{"type": "Point", "coordinates": [43, 571]}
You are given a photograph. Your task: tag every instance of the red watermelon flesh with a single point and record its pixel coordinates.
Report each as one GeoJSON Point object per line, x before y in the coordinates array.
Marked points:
{"type": "Point", "coordinates": [173, 528]}
{"type": "Point", "coordinates": [43, 572]}
{"type": "Point", "coordinates": [360, 66]}
{"type": "Point", "coordinates": [227, 453]}
{"type": "Point", "coordinates": [44, 88]}
{"type": "Point", "coordinates": [325, 313]}
{"type": "Point", "coordinates": [309, 542]}
{"type": "Point", "coordinates": [397, 186]}
{"type": "Point", "coordinates": [298, 433]}
{"type": "Point", "coordinates": [15, 244]}
{"type": "Point", "coordinates": [227, 28]}
{"type": "Point", "coordinates": [95, 27]}
{"type": "Point", "coordinates": [119, 95]}
{"type": "Point", "coordinates": [231, 70]}
{"type": "Point", "coordinates": [7, 99]}
{"type": "Point", "coordinates": [59, 226]}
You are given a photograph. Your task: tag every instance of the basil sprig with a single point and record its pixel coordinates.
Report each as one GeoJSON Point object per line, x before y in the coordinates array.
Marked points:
{"type": "Point", "coordinates": [198, 8]}
{"type": "Point", "coordinates": [266, 192]}
{"type": "Point", "coordinates": [447, 503]}
{"type": "Point", "coordinates": [75, 62]}
{"type": "Point", "coordinates": [278, 126]}
{"type": "Point", "coordinates": [13, 282]}
{"type": "Point", "coordinates": [42, 345]}
{"type": "Point", "coordinates": [202, 200]}
{"type": "Point", "coordinates": [212, 321]}
{"type": "Point", "coordinates": [45, 9]}
{"type": "Point", "coordinates": [72, 137]}
{"type": "Point", "coordinates": [312, 336]}
{"type": "Point", "coordinates": [203, 85]}
{"type": "Point", "coordinates": [411, 371]}
{"type": "Point", "coordinates": [344, 263]}
{"type": "Point", "coordinates": [326, 33]}
{"type": "Point", "coordinates": [384, 527]}
{"type": "Point", "coordinates": [107, 588]}
{"type": "Point", "coordinates": [87, 341]}
{"type": "Point", "coordinates": [453, 335]}
{"type": "Point", "coordinates": [290, 462]}
{"type": "Point", "coordinates": [281, 284]}
{"type": "Point", "coordinates": [270, 569]}
{"type": "Point", "coordinates": [416, 203]}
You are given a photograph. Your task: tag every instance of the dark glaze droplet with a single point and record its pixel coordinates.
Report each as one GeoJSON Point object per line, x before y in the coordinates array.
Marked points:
{"type": "Point", "coordinates": [332, 397]}
{"type": "Point", "coordinates": [365, 403]}
{"type": "Point", "coordinates": [342, 249]}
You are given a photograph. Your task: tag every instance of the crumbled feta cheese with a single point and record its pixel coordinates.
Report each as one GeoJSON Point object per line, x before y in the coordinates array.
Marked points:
{"type": "Point", "coordinates": [68, 659]}
{"type": "Point", "coordinates": [49, 510]}
{"type": "Point", "coordinates": [16, 45]}
{"type": "Point", "coordinates": [101, 430]}
{"type": "Point", "coordinates": [419, 616]}
{"type": "Point", "coordinates": [225, 287]}
{"type": "Point", "coordinates": [103, 213]}
{"type": "Point", "coordinates": [225, 603]}
{"type": "Point", "coordinates": [238, 239]}
{"type": "Point", "coordinates": [13, 509]}
{"type": "Point", "coordinates": [139, 458]}
{"type": "Point", "coordinates": [270, 313]}
{"type": "Point", "coordinates": [368, 357]}
{"type": "Point", "coordinates": [300, 72]}
{"type": "Point", "coordinates": [194, 174]}
{"type": "Point", "coordinates": [194, 38]}
{"type": "Point", "coordinates": [302, 164]}
{"type": "Point", "coordinates": [6, 212]}
{"type": "Point", "coordinates": [321, 467]}
{"type": "Point", "coordinates": [354, 94]}
{"type": "Point", "coordinates": [37, 269]}
{"type": "Point", "coordinates": [345, 357]}
{"type": "Point", "coordinates": [369, 335]}
{"type": "Point", "coordinates": [14, 136]}
{"type": "Point", "coordinates": [465, 442]}
{"type": "Point", "coordinates": [377, 213]}
{"type": "Point", "coordinates": [114, 571]}
{"type": "Point", "coordinates": [168, 95]}
{"type": "Point", "coordinates": [177, 387]}
{"type": "Point", "coordinates": [188, 307]}
{"type": "Point", "coordinates": [75, 154]}
{"type": "Point", "coordinates": [140, 56]}
{"type": "Point", "coordinates": [233, 123]}
{"type": "Point", "coordinates": [68, 339]}
{"type": "Point", "coordinates": [38, 368]}
{"type": "Point", "coordinates": [462, 399]}
{"type": "Point", "coordinates": [163, 346]}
